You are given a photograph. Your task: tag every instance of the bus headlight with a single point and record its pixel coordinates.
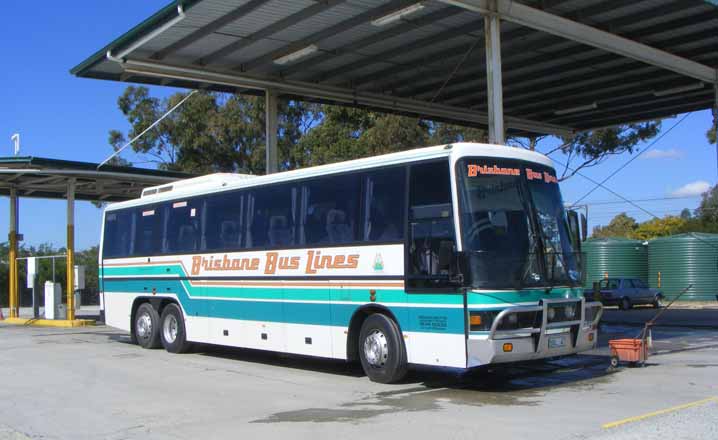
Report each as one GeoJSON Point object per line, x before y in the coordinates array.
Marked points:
{"type": "Point", "coordinates": [551, 313]}
{"type": "Point", "coordinates": [570, 311]}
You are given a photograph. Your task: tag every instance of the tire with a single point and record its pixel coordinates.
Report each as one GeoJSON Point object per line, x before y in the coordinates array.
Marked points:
{"type": "Point", "coordinates": [381, 349]}
{"type": "Point", "coordinates": [625, 304]}
{"type": "Point", "coordinates": [172, 330]}
{"type": "Point", "coordinates": [146, 326]}
{"type": "Point", "coordinates": [657, 303]}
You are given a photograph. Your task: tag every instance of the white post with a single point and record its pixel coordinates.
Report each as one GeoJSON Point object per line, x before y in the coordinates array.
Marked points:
{"type": "Point", "coordinates": [492, 35]}
{"type": "Point", "coordinates": [270, 105]}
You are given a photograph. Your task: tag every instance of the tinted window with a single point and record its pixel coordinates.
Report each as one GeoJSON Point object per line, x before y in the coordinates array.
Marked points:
{"type": "Point", "coordinates": [639, 284]}
{"type": "Point", "coordinates": [384, 205]}
{"type": "Point", "coordinates": [183, 231]}
{"type": "Point", "coordinates": [271, 217]}
{"type": "Point", "coordinates": [118, 234]}
{"type": "Point", "coordinates": [331, 210]}
{"type": "Point", "coordinates": [225, 220]}
{"type": "Point", "coordinates": [148, 231]}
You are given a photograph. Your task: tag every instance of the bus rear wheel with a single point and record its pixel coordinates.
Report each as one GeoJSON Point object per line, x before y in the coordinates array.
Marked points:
{"type": "Point", "coordinates": [173, 334]}
{"type": "Point", "coordinates": [381, 349]}
{"type": "Point", "coordinates": [146, 326]}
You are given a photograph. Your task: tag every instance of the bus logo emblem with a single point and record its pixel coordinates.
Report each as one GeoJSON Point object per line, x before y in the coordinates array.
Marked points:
{"type": "Point", "coordinates": [378, 263]}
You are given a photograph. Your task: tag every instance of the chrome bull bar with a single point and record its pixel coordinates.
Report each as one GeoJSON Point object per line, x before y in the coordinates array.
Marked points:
{"type": "Point", "coordinates": [592, 310]}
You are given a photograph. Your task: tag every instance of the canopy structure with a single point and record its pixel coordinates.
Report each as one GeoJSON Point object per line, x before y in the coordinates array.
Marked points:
{"type": "Point", "coordinates": [529, 66]}
{"type": "Point", "coordinates": [49, 178]}
{"type": "Point", "coordinates": [67, 180]}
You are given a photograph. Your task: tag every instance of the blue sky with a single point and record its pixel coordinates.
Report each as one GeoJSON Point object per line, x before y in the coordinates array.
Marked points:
{"type": "Point", "coordinates": [60, 116]}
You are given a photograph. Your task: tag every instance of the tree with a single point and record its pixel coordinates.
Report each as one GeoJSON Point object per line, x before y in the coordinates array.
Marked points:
{"type": "Point", "coordinates": [215, 132]}
{"type": "Point", "coordinates": [593, 147]}
{"type": "Point", "coordinates": [686, 214]}
{"type": "Point", "coordinates": [211, 132]}
{"type": "Point", "coordinates": [621, 225]}
{"type": "Point", "coordinates": [659, 227]}
{"type": "Point", "coordinates": [708, 209]}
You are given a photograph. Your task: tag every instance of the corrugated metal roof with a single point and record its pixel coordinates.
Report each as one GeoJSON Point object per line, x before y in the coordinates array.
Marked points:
{"type": "Point", "coordinates": [418, 57]}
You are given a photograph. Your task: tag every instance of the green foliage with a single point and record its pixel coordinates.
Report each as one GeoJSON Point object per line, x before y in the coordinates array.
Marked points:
{"type": "Point", "coordinates": [621, 225]}
{"type": "Point", "coordinates": [659, 227]}
{"type": "Point", "coordinates": [214, 132]}
{"type": "Point", "coordinates": [592, 147]}
{"type": "Point", "coordinates": [88, 258]}
{"type": "Point", "coordinates": [704, 220]}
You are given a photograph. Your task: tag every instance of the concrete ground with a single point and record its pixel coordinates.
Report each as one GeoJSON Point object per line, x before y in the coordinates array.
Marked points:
{"type": "Point", "coordinates": [92, 384]}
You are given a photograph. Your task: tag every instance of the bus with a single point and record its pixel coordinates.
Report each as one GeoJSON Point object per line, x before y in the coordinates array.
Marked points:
{"type": "Point", "coordinates": [458, 255]}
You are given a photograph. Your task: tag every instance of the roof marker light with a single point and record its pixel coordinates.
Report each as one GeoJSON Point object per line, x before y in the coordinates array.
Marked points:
{"type": "Point", "coordinates": [294, 56]}
{"type": "Point", "coordinates": [397, 15]}
{"type": "Point", "coordinates": [681, 89]}
{"type": "Point", "coordinates": [580, 108]}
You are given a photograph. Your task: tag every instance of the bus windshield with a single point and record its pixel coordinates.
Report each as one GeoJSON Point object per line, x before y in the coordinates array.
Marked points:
{"type": "Point", "coordinates": [513, 225]}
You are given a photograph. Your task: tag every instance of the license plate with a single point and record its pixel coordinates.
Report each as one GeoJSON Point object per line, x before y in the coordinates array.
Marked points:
{"type": "Point", "coordinates": [556, 342]}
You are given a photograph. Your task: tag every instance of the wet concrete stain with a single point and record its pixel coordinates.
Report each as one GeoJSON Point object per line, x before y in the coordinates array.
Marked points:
{"type": "Point", "coordinates": [515, 386]}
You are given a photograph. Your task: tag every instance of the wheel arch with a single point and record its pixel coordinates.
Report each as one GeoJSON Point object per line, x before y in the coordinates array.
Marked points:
{"type": "Point", "coordinates": [355, 324]}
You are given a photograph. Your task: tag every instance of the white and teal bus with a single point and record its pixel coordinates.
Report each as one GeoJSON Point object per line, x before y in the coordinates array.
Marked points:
{"type": "Point", "coordinates": [458, 255]}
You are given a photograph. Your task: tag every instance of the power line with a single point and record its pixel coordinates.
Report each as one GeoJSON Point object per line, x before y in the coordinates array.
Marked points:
{"type": "Point", "coordinates": [634, 157]}
{"type": "Point", "coordinates": [620, 202]}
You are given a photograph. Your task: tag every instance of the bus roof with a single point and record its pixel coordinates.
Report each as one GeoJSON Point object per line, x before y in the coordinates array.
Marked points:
{"type": "Point", "coordinates": [226, 181]}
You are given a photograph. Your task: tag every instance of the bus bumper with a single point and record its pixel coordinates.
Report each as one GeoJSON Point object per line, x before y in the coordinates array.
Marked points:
{"type": "Point", "coordinates": [556, 336]}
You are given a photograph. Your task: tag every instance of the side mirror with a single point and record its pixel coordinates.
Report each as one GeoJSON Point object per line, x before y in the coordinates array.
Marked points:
{"type": "Point", "coordinates": [584, 227]}
{"type": "Point", "coordinates": [574, 229]}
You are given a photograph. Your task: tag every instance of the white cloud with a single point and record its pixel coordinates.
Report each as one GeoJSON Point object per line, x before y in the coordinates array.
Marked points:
{"type": "Point", "coordinates": [692, 189]}
{"type": "Point", "coordinates": [663, 154]}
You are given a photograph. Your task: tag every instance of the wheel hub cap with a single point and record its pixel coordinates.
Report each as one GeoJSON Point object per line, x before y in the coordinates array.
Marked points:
{"type": "Point", "coordinates": [375, 349]}
{"type": "Point", "coordinates": [144, 326]}
{"type": "Point", "coordinates": [169, 328]}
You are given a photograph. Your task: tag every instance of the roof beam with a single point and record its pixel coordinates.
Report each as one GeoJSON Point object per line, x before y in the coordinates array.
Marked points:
{"type": "Point", "coordinates": [209, 28]}
{"type": "Point", "coordinates": [316, 37]}
{"type": "Point", "coordinates": [406, 26]}
{"type": "Point", "coordinates": [474, 75]}
{"type": "Point", "coordinates": [641, 115]}
{"type": "Point", "coordinates": [542, 86]}
{"type": "Point", "coordinates": [516, 12]}
{"type": "Point", "coordinates": [338, 95]}
{"type": "Point", "coordinates": [425, 60]}
{"type": "Point", "coordinates": [265, 32]}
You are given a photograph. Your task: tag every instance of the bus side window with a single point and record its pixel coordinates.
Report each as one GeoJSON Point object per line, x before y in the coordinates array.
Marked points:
{"type": "Point", "coordinates": [182, 233]}
{"type": "Point", "coordinates": [431, 225]}
{"type": "Point", "coordinates": [118, 234]}
{"type": "Point", "coordinates": [224, 222]}
{"type": "Point", "coordinates": [384, 205]}
{"type": "Point", "coordinates": [330, 210]}
{"type": "Point", "coordinates": [271, 217]}
{"type": "Point", "coordinates": [148, 231]}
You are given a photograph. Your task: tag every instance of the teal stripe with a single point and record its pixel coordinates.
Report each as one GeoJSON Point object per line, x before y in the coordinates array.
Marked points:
{"type": "Point", "coordinates": [417, 319]}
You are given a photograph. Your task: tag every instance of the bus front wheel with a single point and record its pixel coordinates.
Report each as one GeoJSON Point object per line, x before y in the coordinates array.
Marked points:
{"type": "Point", "coordinates": [146, 326]}
{"type": "Point", "coordinates": [172, 331]}
{"type": "Point", "coordinates": [381, 349]}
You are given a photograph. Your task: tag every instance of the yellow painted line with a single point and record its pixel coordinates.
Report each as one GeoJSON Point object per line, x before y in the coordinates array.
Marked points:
{"type": "Point", "coordinates": [660, 412]}
{"type": "Point", "coordinates": [50, 322]}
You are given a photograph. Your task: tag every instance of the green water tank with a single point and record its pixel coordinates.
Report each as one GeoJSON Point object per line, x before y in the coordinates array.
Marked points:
{"type": "Point", "coordinates": [682, 260]}
{"type": "Point", "coordinates": [619, 257]}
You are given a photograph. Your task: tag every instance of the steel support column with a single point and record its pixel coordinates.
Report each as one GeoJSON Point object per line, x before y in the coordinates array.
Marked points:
{"type": "Point", "coordinates": [715, 112]}
{"type": "Point", "coordinates": [271, 121]}
{"type": "Point", "coordinates": [13, 297]}
{"type": "Point", "coordinates": [71, 249]}
{"type": "Point", "coordinates": [492, 35]}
